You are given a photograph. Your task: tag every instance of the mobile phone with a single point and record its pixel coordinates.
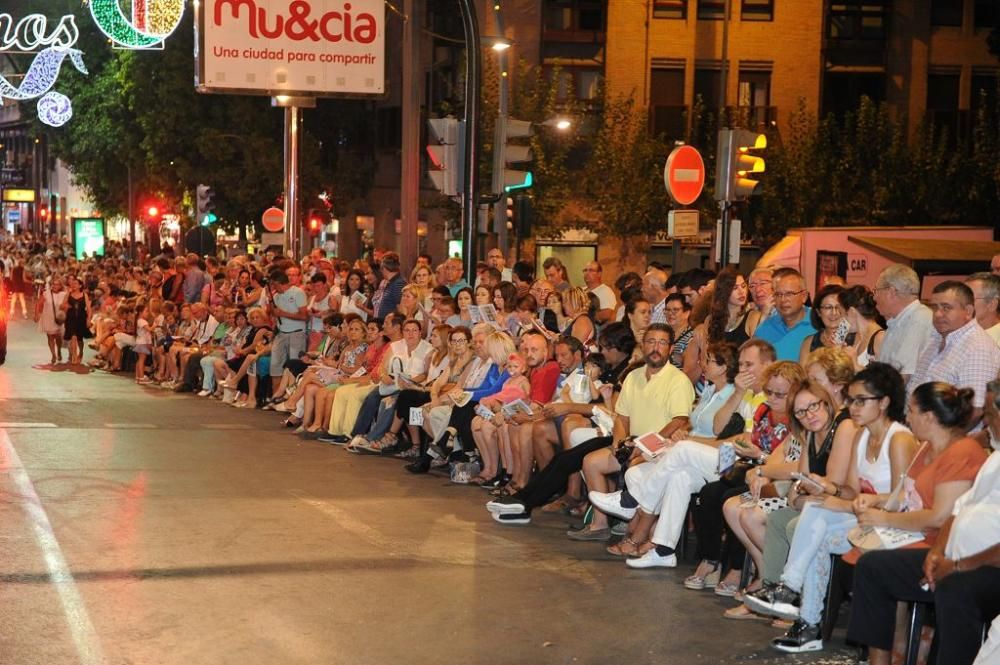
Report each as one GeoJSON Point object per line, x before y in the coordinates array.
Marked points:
{"type": "Point", "coordinates": [840, 332]}
{"type": "Point", "coordinates": [802, 478]}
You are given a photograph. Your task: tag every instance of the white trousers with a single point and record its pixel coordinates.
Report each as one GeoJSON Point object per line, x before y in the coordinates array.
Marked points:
{"type": "Point", "coordinates": [664, 487]}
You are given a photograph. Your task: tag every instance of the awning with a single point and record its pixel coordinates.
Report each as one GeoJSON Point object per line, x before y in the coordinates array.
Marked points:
{"type": "Point", "coordinates": [929, 256]}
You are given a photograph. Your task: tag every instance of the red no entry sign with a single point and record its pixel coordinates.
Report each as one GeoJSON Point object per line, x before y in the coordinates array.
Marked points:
{"type": "Point", "coordinates": [273, 220]}
{"type": "Point", "coordinates": [684, 175]}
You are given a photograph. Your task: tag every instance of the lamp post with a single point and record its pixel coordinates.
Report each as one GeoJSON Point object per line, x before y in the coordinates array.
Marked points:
{"type": "Point", "coordinates": [470, 179]}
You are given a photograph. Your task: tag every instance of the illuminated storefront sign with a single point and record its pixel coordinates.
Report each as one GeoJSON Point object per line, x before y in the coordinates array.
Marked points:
{"type": "Point", "coordinates": [88, 236]}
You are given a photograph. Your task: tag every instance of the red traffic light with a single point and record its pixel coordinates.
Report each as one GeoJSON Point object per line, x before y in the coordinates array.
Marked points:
{"type": "Point", "coordinates": [43, 212]}
{"type": "Point", "coordinates": [153, 211]}
{"type": "Point", "coordinates": [314, 225]}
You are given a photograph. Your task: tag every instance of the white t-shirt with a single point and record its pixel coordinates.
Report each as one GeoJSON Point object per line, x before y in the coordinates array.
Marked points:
{"type": "Point", "coordinates": [413, 362]}
{"type": "Point", "coordinates": [605, 295]}
{"type": "Point", "coordinates": [976, 524]}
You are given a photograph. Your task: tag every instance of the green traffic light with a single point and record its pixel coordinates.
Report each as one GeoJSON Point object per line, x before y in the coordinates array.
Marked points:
{"type": "Point", "coordinates": [528, 182]}
{"type": "Point", "coordinates": [209, 219]}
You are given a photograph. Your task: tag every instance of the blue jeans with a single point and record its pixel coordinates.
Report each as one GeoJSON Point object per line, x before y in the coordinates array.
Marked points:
{"type": "Point", "coordinates": [367, 414]}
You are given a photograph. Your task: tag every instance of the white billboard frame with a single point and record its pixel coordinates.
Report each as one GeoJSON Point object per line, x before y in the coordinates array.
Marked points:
{"type": "Point", "coordinates": [203, 7]}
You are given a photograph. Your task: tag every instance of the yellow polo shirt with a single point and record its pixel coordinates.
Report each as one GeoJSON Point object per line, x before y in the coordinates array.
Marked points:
{"type": "Point", "coordinates": [651, 404]}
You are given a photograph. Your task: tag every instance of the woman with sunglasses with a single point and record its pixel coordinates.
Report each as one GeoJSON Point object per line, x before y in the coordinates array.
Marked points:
{"type": "Point", "coordinates": [881, 451]}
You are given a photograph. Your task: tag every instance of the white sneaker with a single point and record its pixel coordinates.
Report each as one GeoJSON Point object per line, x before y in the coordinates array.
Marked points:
{"type": "Point", "coordinates": [653, 560]}
{"type": "Point", "coordinates": [611, 504]}
{"type": "Point", "coordinates": [204, 393]}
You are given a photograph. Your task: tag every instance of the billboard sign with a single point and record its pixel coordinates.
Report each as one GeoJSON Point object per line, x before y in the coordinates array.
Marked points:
{"type": "Point", "coordinates": [88, 236]}
{"type": "Point", "coordinates": [307, 48]}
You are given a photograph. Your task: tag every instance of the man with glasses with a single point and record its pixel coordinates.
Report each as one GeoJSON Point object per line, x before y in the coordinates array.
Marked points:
{"type": "Point", "coordinates": [986, 294]}
{"type": "Point", "coordinates": [792, 324]}
{"type": "Point", "coordinates": [495, 259]}
{"type": "Point", "coordinates": [908, 321]}
{"type": "Point", "coordinates": [592, 274]}
{"type": "Point", "coordinates": [678, 314]}
{"type": "Point", "coordinates": [453, 271]}
{"type": "Point", "coordinates": [959, 351]}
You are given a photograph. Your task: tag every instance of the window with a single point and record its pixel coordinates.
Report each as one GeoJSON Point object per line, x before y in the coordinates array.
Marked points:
{"type": "Point", "coordinates": [711, 10]}
{"type": "Point", "coordinates": [942, 106]}
{"type": "Point", "coordinates": [667, 112]}
{"type": "Point", "coordinates": [754, 89]}
{"type": "Point", "coordinates": [857, 19]}
{"type": "Point", "coordinates": [588, 81]}
{"type": "Point", "coordinates": [984, 91]}
{"type": "Point", "coordinates": [757, 10]}
{"type": "Point", "coordinates": [842, 91]}
{"type": "Point", "coordinates": [670, 9]}
{"type": "Point", "coordinates": [706, 86]}
{"type": "Point", "coordinates": [946, 12]}
{"type": "Point", "coordinates": [572, 15]}
{"type": "Point", "coordinates": [987, 14]}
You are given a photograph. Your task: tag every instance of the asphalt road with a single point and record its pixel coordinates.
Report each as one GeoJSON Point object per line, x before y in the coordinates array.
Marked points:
{"type": "Point", "coordinates": [142, 527]}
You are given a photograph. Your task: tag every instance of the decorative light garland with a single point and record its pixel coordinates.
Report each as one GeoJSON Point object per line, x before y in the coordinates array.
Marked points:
{"type": "Point", "coordinates": [152, 22]}
{"type": "Point", "coordinates": [156, 19]}
{"type": "Point", "coordinates": [53, 108]}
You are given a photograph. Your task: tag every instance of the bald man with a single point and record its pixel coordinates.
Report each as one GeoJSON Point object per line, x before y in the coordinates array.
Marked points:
{"type": "Point", "coordinates": [654, 290]}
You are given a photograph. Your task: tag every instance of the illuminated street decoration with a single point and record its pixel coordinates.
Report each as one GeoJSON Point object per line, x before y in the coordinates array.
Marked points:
{"type": "Point", "coordinates": [39, 80]}
{"type": "Point", "coordinates": [152, 21]}
{"type": "Point", "coordinates": [55, 109]}
{"type": "Point", "coordinates": [30, 33]}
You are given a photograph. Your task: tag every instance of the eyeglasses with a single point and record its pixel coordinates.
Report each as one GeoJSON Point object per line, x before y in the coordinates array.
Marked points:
{"type": "Point", "coordinates": [775, 394]}
{"type": "Point", "coordinates": [781, 295]}
{"type": "Point", "coordinates": [459, 340]}
{"type": "Point", "coordinates": [859, 400]}
{"type": "Point", "coordinates": [665, 343]}
{"type": "Point", "coordinates": [812, 407]}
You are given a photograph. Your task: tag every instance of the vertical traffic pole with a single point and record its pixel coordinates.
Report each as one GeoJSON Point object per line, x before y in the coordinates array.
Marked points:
{"type": "Point", "coordinates": [292, 230]}
{"type": "Point", "coordinates": [500, 136]}
{"type": "Point", "coordinates": [470, 177]}
{"type": "Point", "coordinates": [410, 173]}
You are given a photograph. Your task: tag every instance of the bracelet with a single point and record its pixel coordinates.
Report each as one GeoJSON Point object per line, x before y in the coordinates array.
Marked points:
{"type": "Point", "coordinates": [837, 493]}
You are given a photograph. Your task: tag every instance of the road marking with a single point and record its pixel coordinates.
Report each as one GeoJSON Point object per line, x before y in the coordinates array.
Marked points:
{"type": "Point", "coordinates": [26, 425]}
{"type": "Point", "coordinates": [88, 646]}
{"type": "Point", "coordinates": [130, 425]}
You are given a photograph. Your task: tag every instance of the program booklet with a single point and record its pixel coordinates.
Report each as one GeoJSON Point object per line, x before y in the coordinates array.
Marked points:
{"type": "Point", "coordinates": [517, 406]}
{"type": "Point", "coordinates": [460, 397]}
{"type": "Point", "coordinates": [651, 444]}
{"type": "Point", "coordinates": [475, 314]}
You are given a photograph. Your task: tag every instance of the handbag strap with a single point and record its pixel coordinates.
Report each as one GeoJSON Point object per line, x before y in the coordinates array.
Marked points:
{"type": "Point", "coordinates": [893, 504]}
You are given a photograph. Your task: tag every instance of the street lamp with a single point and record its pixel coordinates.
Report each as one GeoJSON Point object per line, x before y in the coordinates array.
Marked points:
{"type": "Point", "coordinates": [559, 122]}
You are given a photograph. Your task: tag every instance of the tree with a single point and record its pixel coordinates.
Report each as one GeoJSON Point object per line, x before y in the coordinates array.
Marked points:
{"type": "Point", "coordinates": [624, 175]}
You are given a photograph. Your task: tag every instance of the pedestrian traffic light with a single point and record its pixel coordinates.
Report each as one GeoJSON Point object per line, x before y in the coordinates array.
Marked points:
{"type": "Point", "coordinates": [43, 213]}
{"type": "Point", "coordinates": [205, 202]}
{"type": "Point", "coordinates": [735, 163]}
{"type": "Point", "coordinates": [153, 213]}
{"type": "Point", "coordinates": [516, 153]}
{"type": "Point", "coordinates": [447, 154]}
{"type": "Point", "coordinates": [510, 212]}
{"type": "Point", "coordinates": [524, 214]}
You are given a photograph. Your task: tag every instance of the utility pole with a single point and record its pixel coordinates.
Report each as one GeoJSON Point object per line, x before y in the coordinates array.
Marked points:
{"type": "Point", "coordinates": [725, 136]}
{"type": "Point", "coordinates": [470, 178]}
{"type": "Point", "coordinates": [410, 176]}
{"type": "Point", "coordinates": [500, 137]}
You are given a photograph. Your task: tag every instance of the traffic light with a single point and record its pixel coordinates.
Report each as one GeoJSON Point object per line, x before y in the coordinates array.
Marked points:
{"type": "Point", "coordinates": [516, 153]}
{"type": "Point", "coordinates": [205, 201]}
{"type": "Point", "coordinates": [153, 213]}
{"type": "Point", "coordinates": [735, 163]}
{"type": "Point", "coordinates": [43, 212]}
{"type": "Point", "coordinates": [524, 214]}
{"type": "Point", "coordinates": [315, 224]}
{"type": "Point", "coordinates": [445, 148]}
{"type": "Point", "coordinates": [510, 212]}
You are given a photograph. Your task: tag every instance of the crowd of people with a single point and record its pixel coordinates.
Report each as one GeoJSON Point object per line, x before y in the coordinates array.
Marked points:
{"type": "Point", "coordinates": [796, 436]}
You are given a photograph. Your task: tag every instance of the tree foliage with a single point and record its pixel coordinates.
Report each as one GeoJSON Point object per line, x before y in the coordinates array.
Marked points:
{"type": "Point", "coordinates": [623, 178]}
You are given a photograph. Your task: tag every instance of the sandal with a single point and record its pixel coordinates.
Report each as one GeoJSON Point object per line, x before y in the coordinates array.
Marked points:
{"type": "Point", "coordinates": [726, 589]}
{"type": "Point", "coordinates": [619, 548]}
{"type": "Point", "coordinates": [742, 613]}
